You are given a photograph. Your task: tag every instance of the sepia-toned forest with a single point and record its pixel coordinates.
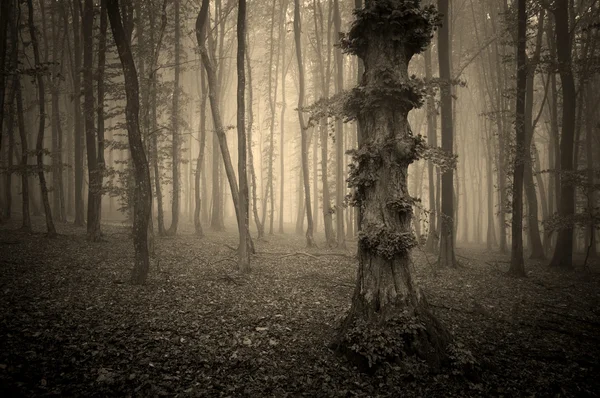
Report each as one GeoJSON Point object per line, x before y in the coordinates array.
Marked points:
{"type": "Point", "coordinates": [299, 198]}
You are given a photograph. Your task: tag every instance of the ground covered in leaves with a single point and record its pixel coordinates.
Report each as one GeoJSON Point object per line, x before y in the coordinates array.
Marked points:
{"type": "Point", "coordinates": [71, 325]}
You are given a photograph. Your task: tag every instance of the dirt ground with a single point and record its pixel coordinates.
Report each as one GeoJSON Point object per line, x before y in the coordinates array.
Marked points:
{"type": "Point", "coordinates": [72, 325]}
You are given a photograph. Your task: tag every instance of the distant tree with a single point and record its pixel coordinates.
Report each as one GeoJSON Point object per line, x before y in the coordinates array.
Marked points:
{"type": "Point", "coordinates": [142, 204]}
{"type": "Point", "coordinates": [176, 145]}
{"type": "Point", "coordinates": [431, 244]}
{"type": "Point", "coordinates": [310, 242]}
{"type": "Point", "coordinates": [385, 35]}
{"type": "Point", "coordinates": [208, 57]}
{"type": "Point", "coordinates": [340, 183]}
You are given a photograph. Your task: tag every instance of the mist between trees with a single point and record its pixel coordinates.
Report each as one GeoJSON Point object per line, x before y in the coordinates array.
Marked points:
{"type": "Point", "coordinates": [370, 129]}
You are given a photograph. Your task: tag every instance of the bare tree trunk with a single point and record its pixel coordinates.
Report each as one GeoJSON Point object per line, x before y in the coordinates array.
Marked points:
{"type": "Point", "coordinates": [175, 128]}
{"type": "Point", "coordinates": [303, 133]}
{"type": "Point", "coordinates": [591, 192]}
{"type": "Point", "coordinates": [324, 77]}
{"type": "Point", "coordinates": [282, 41]}
{"type": "Point", "coordinates": [257, 221]}
{"type": "Point", "coordinates": [78, 128]}
{"type": "Point", "coordinates": [213, 96]}
{"type": "Point", "coordinates": [340, 184]}
{"type": "Point", "coordinates": [41, 125]}
{"type": "Point", "coordinates": [23, 165]}
{"type": "Point", "coordinates": [200, 159]}
{"type": "Point", "coordinates": [563, 252]}
{"type": "Point", "coordinates": [94, 190]}
{"type": "Point", "coordinates": [5, 12]}
{"type": "Point", "coordinates": [517, 265]}
{"type": "Point", "coordinates": [431, 245]}
{"type": "Point", "coordinates": [243, 219]}
{"type": "Point", "coordinates": [446, 257]}
{"type": "Point", "coordinates": [143, 191]}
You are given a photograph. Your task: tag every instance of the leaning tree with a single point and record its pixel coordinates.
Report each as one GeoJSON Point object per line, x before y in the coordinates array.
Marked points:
{"type": "Point", "coordinates": [389, 316]}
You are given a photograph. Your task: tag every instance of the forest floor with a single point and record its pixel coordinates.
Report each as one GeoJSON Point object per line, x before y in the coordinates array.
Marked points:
{"type": "Point", "coordinates": [72, 325]}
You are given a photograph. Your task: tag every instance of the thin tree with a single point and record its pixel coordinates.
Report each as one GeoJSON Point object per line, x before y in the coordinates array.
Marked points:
{"type": "Point", "coordinates": [77, 126]}
{"type": "Point", "coordinates": [446, 256]}
{"type": "Point", "coordinates": [200, 158]}
{"type": "Point", "coordinates": [243, 219]}
{"type": "Point", "coordinates": [432, 235]}
{"type": "Point", "coordinates": [175, 127]}
{"type": "Point", "coordinates": [39, 148]}
{"type": "Point", "coordinates": [340, 183]}
{"type": "Point", "coordinates": [563, 251]}
{"type": "Point", "coordinates": [303, 128]}
{"type": "Point", "coordinates": [517, 265]}
{"type": "Point", "coordinates": [95, 185]}
{"type": "Point", "coordinates": [253, 184]}
{"type": "Point", "coordinates": [26, 224]}
{"type": "Point", "coordinates": [142, 204]}
{"type": "Point", "coordinates": [213, 96]}
{"type": "Point", "coordinates": [4, 18]}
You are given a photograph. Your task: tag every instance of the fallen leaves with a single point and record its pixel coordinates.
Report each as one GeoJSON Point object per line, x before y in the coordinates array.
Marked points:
{"type": "Point", "coordinates": [198, 328]}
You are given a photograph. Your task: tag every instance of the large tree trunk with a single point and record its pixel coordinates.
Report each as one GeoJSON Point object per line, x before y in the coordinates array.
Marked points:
{"type": "Point", "coordinates": [386, 296]}
{"type": "Point", "coordinates": [310, 242]}
{"type": "Point", "coordinates": [41, 125]}
{"type": "Point", "coordinates": [517, 265]}
{"type": "Point", "coordinates": [143, 192]}
{"type": "Point", "coordinates": [563, 252]}
{"type": "Point", "coordinates": [446, 257]}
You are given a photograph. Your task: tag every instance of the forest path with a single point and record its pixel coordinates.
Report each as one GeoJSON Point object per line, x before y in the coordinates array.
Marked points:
{"type": "Point", "coordinates": [70, 324]}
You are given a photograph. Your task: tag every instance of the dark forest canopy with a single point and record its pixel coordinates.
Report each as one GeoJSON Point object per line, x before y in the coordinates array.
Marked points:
{"type": "Point", "coordinates": [373, 130]}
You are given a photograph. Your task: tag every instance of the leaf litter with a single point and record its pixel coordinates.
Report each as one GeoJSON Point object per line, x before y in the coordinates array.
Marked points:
{"type": "Point", "coordinates": [71, 325]}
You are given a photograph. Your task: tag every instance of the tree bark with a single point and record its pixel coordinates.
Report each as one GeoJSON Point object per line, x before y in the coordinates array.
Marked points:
{"type": "Point", "coordinates": [431, 245]}
{"type": "Point", "coordinates": [563, 252]}
{"type": "Point", "coordinates": [340, 183]}
{"type": "Point", "coordinates": [517, 264]}
{"type": "Point", "coordinates": [143, 192]}
{"type": "Point", "coordinates": [303, 128]}
{"type": "Point", "coordinates": [243, 219]}
{"type": "Point", "coordinates": [386, 296]}
{"type": "Point", "coordinates": [175, 128]}
{"type": "Point", "coordinates": [446, 256]}
{"type": "Point", "coordinates": [41, 125]}
{"type": "Point", "coordinates": [78, 129]}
